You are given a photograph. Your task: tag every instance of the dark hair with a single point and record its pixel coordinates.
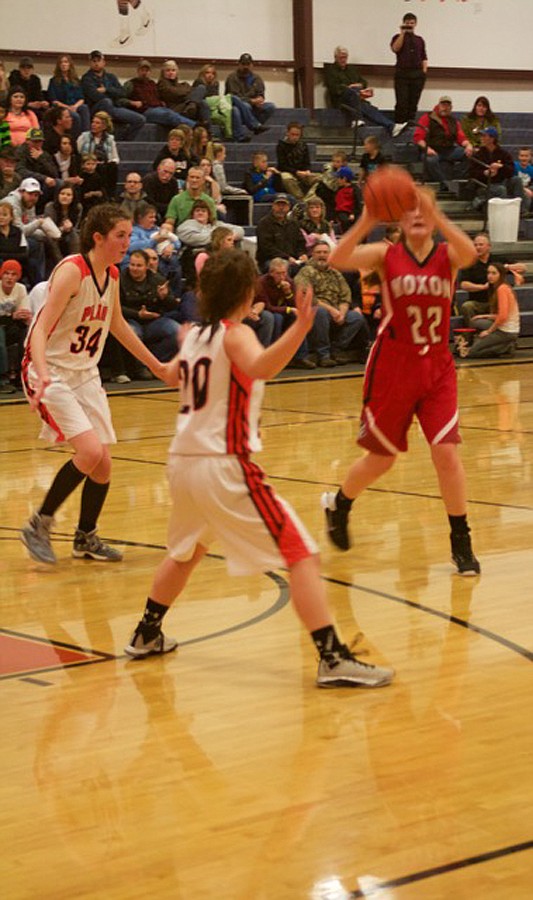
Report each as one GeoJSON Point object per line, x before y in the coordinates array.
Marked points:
{"type": "Point", "coordinates": [202, 204]}
{"type": "Point", "coordinates": [73, 207]}
{"type": "Point", "coordinates": [489, 115]}
{"type": "Point", "coordinates": [409, 17]}
{"type": "Point", "coordinates": [492, 293]}
{"type": "Point", "coordinates": [101, 218]}
{"type": "Point", "coordinates": [143, 207]}
{"type": "Point", "coordinates": [226, 280]}
{"type": "Point", "coordinates": [16, 89]}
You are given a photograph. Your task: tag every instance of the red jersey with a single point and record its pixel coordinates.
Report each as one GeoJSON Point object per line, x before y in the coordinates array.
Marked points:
{"type": "Point", "coordinates": [417, 302]}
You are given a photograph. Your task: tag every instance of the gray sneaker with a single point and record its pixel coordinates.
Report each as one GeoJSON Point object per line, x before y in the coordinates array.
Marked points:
{"type": "Point", "coordinates": [89, 546]}
{"type": "Point", "coordinates": [342, 669]}
{"type": "Point", "coordinates": [36, 538]}
{"type": "Point", "coordinates": [138, 647]}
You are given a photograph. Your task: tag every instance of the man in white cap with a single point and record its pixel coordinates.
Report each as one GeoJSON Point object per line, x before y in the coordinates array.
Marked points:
{"type": "Point", "coordinates": [38, 230]}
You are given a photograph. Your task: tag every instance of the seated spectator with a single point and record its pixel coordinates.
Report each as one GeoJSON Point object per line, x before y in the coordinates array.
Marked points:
{"type": "Point", "coordinates": [280, 236]}
{"type": "Point", "coordinates": [100, 142]}
{"type": "Point", "coordinates": [348, 201]}
{"type": "Point", "coordinates": [349, 91]}
{"type": "Point", "coordinates": [250, 88]}
{"type": "Point", "coordinates": [92, 190]}
{"type": "Point", "coordinates": [65, 211]}
{"type": "Point", "coordinates": [180, 207]}
{"type": "Point", "coordinates": [9, 178]}
{"type": "Point", "coordinates": [497, 331]}
{"type": "Point", "coordinates": [181, 97]}
{"type": "Point", "coordinates": [241, 117]}
{"type": "Point", "coordinates": [147, 235]}
{"type": "Point", "coordinates": [24, 77]}
{"type": "Point", "coordinates": [5, 130]}
{"type": "Point", "coordinates": [15, 316]}
{"type": "Point", "coordinates": [143, 95]}
{"type": "Point", "coordinates": [201, 144]}
{"type": "Point", "coordinates": [211, 186]}
{"type": "Point", "coordinates": [174, 149]}
{"type": "Point", "coordinates": [19, 118]}
{"type": "Point", "coordinates": [343, 336]}
{"type": "Point", "coordinates": [262, 181]}
{"type": "Point", "coordinates": [371, 159]}
{"type": "Point", "coordinates": [68, 162]}
{"type": "Point", "coordinates": [371, 301]}
{"type": "Point", "coordinates": [196, 231]}
{"type": "Point", "coordinates": [523, 169]}
{"type": "Point", "coordinates": [276, 291]}
{"type": "Point", "coordinates": [315, 224]}
{"type": "Point", "coordinates": [479, 118]}
{"type": "Point", "coordinates": [133, 194]}
{"type": "Point", "coordinates": [294, 162]}
{"type": "Point", "coordinates": [34, 162]}
{"type": "Point", "coordinates": [13, 243]}
{"type": "Point", "coordinates": [219, 173]}
{"type": "Point", "coordinates": [440, 136]}
{"type": "Point", "coordinates": [104, 93]}
{"type": "Point", "coordinates": [474, 279]}
{"type": "Point", "coordinates": [146, 312]}
{"type": "Point", "coordinates": [491, 172]}
{"type": "Point", "coordinates": [328, 184]}
{"type": "Point", "coordinates": [222, 238]}
{"type": "Point", "coordinates": [65, 92]}
{"type": "Point", "coordinates": [40, 232]}
{"type": "Point", "coordinates": [161, 186]}
{"type": "Point", "coordinates": [57, 123]}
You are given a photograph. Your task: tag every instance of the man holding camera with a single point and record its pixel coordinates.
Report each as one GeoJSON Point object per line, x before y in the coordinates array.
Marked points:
{"type": "Point", "coordinates": [411, 69]}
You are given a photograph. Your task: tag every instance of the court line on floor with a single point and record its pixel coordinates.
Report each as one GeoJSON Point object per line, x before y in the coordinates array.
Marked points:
{"type": "Point", "coordinates": [476, 860]}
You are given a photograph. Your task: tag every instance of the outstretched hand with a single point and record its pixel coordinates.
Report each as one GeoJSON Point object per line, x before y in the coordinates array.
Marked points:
{"type": "Point", "coordinates": [305, 311]}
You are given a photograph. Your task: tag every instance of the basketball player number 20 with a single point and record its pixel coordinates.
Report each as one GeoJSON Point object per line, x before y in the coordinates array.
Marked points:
{"type": "Point", "coordinates": [199, 378]}
{"type": "Point", "coordinates": [433, 317]}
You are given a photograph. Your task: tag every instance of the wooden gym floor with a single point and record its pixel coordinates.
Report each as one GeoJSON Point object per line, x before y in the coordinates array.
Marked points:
{"type": "Point", "coordinates": [220, 771]}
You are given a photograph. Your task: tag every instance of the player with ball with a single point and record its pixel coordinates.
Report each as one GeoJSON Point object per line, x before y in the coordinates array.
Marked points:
{"type": "Point", "coordinates": [410, 370]}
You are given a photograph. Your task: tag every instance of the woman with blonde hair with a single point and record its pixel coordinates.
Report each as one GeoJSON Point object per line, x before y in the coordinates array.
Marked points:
{"type": "Point", "coordinates": [180, 96]}
{"type": "Point", "coordinates": [64, 90]}
{"type": "Point", "coordinates": [100, 142]}
{"type": "Point", "coordinates": [237, 120]}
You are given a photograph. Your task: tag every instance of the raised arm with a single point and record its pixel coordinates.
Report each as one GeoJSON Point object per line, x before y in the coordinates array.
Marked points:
{"type": "Point", "coordinates": [350, 253]}
{"type": "Point", "coordinates": [245, 351]}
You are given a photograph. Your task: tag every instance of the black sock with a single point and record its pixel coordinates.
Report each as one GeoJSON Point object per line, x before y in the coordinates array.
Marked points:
{"type": "Point", "coordinates": [92, 499]}
{"type": "Point", "coordinates": [342, 501]}
{"type": "Point", "coordinates": [326, 640]}
{"type": "Point", "coordinates": [459, 525]}
{"type": "Point", "coordinates": [67, 480]}
{"type": "Point", "coordinates": [150, 623]}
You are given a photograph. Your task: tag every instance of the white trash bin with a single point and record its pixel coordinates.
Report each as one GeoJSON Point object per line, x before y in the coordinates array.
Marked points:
{"type": "Point", "coordinates": [504, 219]}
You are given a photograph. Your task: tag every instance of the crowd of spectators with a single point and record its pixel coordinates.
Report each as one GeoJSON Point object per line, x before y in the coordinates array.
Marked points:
{"type": "Point", "coordinates": [59, 157]}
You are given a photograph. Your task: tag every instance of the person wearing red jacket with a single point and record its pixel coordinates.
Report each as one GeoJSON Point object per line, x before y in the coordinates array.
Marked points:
{"type": "Point", "coordinates": [444, 142]}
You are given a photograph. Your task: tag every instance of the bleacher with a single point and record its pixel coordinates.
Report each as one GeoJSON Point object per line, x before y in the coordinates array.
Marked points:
{"type": "Point", "coordinates": [328, 131]}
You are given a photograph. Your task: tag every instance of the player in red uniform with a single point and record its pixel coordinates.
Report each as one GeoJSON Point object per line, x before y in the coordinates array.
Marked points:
{"type": "Point", "coordinates": [410, 370]}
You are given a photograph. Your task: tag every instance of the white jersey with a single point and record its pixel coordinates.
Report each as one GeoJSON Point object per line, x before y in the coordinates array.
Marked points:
{"type": "Point", "coordinates": [76, 341]}
{"type": "Point", "coordinates": [220, 405]}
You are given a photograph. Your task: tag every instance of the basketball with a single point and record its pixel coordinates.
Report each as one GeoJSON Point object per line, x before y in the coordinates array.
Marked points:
{"type": "Point", "coordinates": [389, 192]}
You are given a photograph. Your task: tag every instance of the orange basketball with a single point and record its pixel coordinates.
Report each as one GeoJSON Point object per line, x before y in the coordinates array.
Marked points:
{"type": "Point", "coordinates": [389, 192]}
